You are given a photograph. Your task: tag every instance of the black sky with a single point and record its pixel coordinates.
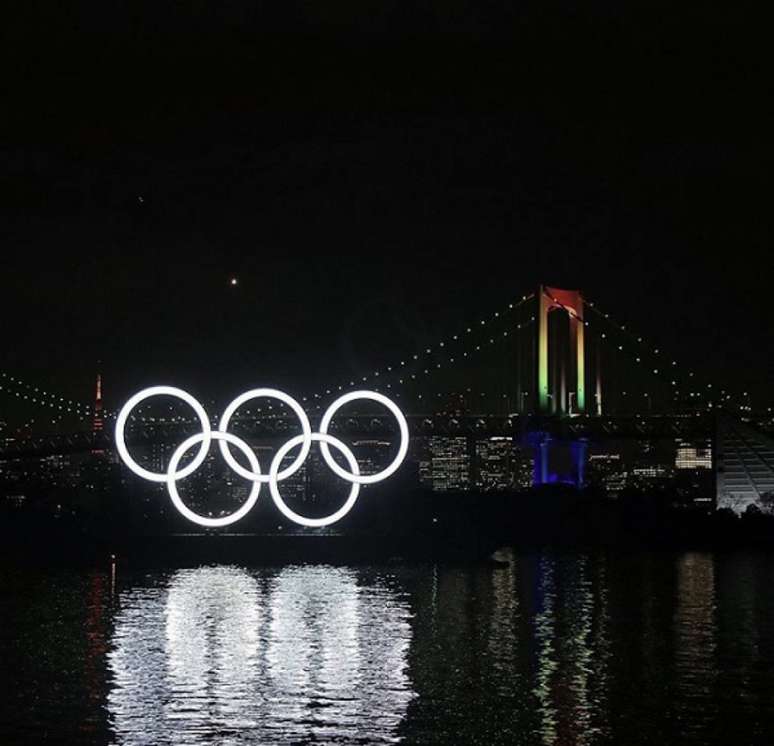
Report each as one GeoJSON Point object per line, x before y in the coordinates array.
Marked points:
{"type": "Point", "coordinates": [376, 175]}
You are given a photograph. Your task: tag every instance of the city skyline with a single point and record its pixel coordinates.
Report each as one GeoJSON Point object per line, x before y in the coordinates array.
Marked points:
{"type": "Point", "coordinates": [509, 261]}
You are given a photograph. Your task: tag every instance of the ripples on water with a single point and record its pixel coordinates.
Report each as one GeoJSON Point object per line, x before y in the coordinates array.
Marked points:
{"type": "Point", "coordinates": [549, 649]}
{"type": "Point", "coordinates": [218, 653]}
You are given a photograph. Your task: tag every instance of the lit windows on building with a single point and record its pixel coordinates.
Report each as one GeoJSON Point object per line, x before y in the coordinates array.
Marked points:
{"type": "Point", "coordinates": [652, 471]}
{"type": "Point", "coordinates": [445, 465]}
{"type": "Point", "coordinates": [494, 457]}
{"type": "Point", "coordinates": [501, 464]}
{"type": "Point", "coordinates": [373, 455]}
{"type": "Point", "coordinates": [691, 456]}
{"type": "Point", "coordinates": [608, 470]}
{"type": "Point", "coordinates": [523, 468]}
{"type": "Point", "coordinates": [648, 476]}
{"type": "Point", "coordinates": [448, 463]}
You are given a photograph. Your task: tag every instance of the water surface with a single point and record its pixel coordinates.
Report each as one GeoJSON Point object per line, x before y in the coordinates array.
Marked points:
{"type": "Point", "coordinates": [547, 649]}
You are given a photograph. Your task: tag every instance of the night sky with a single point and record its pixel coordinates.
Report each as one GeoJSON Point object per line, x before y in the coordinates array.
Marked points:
{"type": "Point", "coordinates": [376, 175]}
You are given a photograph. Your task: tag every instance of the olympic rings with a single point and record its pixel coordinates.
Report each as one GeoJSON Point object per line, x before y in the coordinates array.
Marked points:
{"type": "Point", "coordinates": [255, 488]}
{"type": "Point", "coordinates": [404, 437]}
{"type": "Point", "coordinates": [306, 428]}
{"type": "Point", "coordinates": [253, 474]}
{"type": "Point", "coordinates": [325, 440]}
{"type": "Point", "coordinates": [121, 426]}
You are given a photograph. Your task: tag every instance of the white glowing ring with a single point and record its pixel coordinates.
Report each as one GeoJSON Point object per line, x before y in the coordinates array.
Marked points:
{"type": "Point", "coordinates": [402, 425]}
{"type": "Point", "coordinates": [123, 415]}
{"type": "Point", "coordinates": [306, 429]}
{"type": "Point", "coordinates": [254, 473]}
{"type": "Point", "coordinates": [323, 439]}
{"type": "Point", "coordinates": [255, 487]}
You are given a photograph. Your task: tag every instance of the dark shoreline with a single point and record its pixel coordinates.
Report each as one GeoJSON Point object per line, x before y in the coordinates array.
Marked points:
{"type": "Point", "coordinates": [417, 526]}
{"type": "Point", "coordinates": [275, 549]}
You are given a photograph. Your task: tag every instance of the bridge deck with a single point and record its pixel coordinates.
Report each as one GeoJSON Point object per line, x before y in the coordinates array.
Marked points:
{"type": "Point", "coordinates": [363, 426]}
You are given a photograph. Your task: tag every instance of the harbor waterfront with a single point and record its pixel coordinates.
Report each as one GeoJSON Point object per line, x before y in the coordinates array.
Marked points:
{"type": "Point", "coordinates": [542, 648]}
{"type": "Point", "coordinates": [386, 373]}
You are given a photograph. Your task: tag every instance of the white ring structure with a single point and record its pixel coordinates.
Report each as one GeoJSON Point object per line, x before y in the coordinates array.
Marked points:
{"type": "Point", "coordinates": [175, 495]}
{"type": "Point", "coordinates": [323, 439]}
{"type": "Point", "coordinates": [306, 429]}
{"type": "Point", "coordinates": [123, 415]}
{"type": "Point", "coordinates": [402, 425]}
{"type": "Point", "coordinates": [253, 474]}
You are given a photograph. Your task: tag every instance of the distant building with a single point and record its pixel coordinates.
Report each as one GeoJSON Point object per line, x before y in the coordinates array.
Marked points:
{"type": "Point", "coordinates": [501, 464]}
{"type": "Point", "coordinates": [494, 458]}
{"type": "Point", "coordinates": [652, 471]}
{"type": "Point", "coordinates": [607, 470]}
{"type": "Point", "coordinates": [445, 464]}
{"type": "Point", "coordinates": [695, 474]}
{"type": "Point", "coordinates": [523, 467]}
{"type": "Point", "coordinates": [652, 465]}
{"type": "Point", "coordinates": [488, 464]}
{"type": "Point", "coordinates": [373, 455]}
{"type": "Point", "coordinates": [689, 456]}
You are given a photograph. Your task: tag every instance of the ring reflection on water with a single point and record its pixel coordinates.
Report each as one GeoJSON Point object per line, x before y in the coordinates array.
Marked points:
{"type": "Point", "coordinates": [549, 649]}
{"type": "Point", "coordinates": [222, 654]}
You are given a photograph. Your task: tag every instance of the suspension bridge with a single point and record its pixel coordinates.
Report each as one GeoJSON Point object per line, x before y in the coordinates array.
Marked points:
{"type": "Point", "coordinates": [549, 367]}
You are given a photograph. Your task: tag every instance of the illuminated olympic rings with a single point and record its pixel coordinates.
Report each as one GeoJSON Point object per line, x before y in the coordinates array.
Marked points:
{"type": "Point", "coordinates": [275, 475]}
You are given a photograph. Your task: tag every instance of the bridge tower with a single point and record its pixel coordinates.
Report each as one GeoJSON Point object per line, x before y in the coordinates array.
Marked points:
{"type": "Point", "coordinates": [553, 396]}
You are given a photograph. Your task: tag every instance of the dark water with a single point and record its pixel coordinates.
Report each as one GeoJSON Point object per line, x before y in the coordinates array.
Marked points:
{"type": "Point", "coordinates": [552, 649]}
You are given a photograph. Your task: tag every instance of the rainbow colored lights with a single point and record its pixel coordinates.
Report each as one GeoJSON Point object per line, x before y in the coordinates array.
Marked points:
{"type": "Point", "coordinates": [570, 301]}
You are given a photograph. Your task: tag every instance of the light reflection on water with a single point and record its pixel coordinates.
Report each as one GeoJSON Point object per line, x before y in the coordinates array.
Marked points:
{"type": "Point", "coordinates": [547, 665]}
{"type": "Point", "coordinates": [550, 649]}
{"type": "Point", "coordinates": [220, 654]}
{"type": "Point", "coordinates": [695, 644]}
